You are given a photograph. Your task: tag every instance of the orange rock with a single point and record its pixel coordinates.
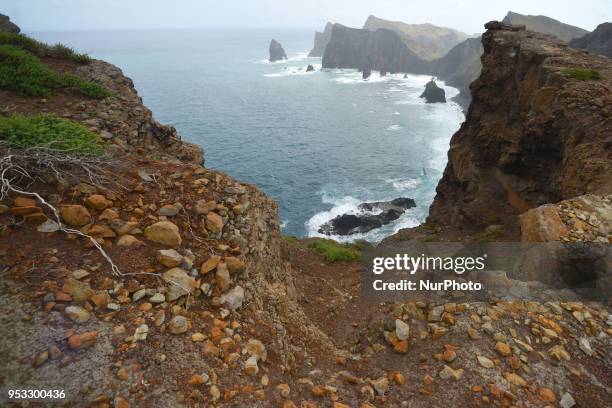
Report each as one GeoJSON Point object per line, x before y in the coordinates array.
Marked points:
{"type": "Point", "coordinates": [318, 391]}
{"type": "Point", "coordinates": [196, 379]}
{"type": "Point", "coordinates": [401, 347]}
{"type": "Point", "coordinates": [75, 215]}
{"type": "Point", "coordinates": [341, 405]}
{"type": "Point", "coordinates": [449, 355]}
{"type": "Point", "coordinates": [96, 201]}
{"type": "Point", "coordinates": [24, 202]}
{"type": "Point", "coordinates": [547, 394]}
{"type": "Point", "coordinates": [502, 348]}
{"type": "Point", "coordinates": [121, 402]}
{"type": "Point", "coordinates": [83, 340]}
{"type": "Point", "coordinates": [542, 224]}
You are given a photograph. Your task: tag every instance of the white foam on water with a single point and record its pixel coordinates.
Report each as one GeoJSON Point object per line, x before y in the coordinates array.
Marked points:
{"type": "Point", "coordinates": [290, 71]}
{"type": "Point", "coordinates": [300, 56]}
{"type": "Point", "coordinates": [403, 184]}
{"type": "Point", "coordinates": [284, 224]}
{"type": "Point", "coordinates": [394, 127]}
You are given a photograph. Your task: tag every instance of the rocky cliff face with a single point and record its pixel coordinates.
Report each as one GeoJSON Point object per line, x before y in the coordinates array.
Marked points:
{"type": "Point", "coordinates": [321, 40]}
{"type": "Point", "coordinates": [6, 25]}
{"type": "Point", "coordinates": [597, 42]}
{"type": "Point", "coordinates": [380, 50]}
{"type": "Point", "coordinates": [277, 53]}
{"type": "Point", "coordinates": [426, 40]}
{"type": "Point", "coordinates": [534, 133]}
{"type": "Point", "coordinates": [546, 25]}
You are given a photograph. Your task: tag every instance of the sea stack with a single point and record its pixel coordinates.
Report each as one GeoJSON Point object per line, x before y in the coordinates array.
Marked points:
{"type": "Point", "coordinates": [433, 93]}
{"type": "Point", "coordinates": [309, 68]}
{"type": "Point", "coordinates": [6, 25]}
{"type": "Point", "coordinates": [277, 53]}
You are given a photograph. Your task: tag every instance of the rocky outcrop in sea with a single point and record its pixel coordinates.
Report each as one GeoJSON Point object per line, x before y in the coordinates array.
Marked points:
{"type": "Point", "coordinates": [433, 93]}
{"type": "Point", "coordinates": [277, 53]}
{"type": "Point", "coordinates": [369, 216]}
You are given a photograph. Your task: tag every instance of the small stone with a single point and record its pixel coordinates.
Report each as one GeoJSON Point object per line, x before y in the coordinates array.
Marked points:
{"type": "Point", "coordinates": [547, 394]}
{"type": "Point", "coordinates": [449, 355]}
{"type": "Point", "coordinates": [401, 347]}
{"type": "Point", "coordinates": [197, 337]}
{"type": "Point", "coordinates": [180, 282]}
{"type": "Point", "coordinates": [141, 332]}
{"type": "Point", "coordinates": [381, 385]}
{"type": "Point", "coordinates": [139, 294]}
{"type": "Point", "coordinates": [168, 211]}
{"type": "Point", "coordinates": [214, 222]}
{"type": "Point", "coordinates": [250, 366]}
{"type": "Point", "coordinates": [567, 401]}
{"type": "Point", "coordinates": [178, 325]}
{"type": "Point", "coordinates": [128, 240]}
{"type": "Point", "coordinates": [503, 348]}
{"type": "Point", "coordinates": [74, 214]}
{"type": "Point", "coordinates": [283, 390]}
{"type": "Point", "coordinates": [585, 346]}
{"type": "Point", "coordinates": [256, 348]}
{"type": "Point", "coordinates": [79, 274]}
{"type": "Point", "coordinates": [235, 265]}
{"type": "Point", "coordinates": [41, 358]}
{"type": "Point", "coordinates": [157, 298]}
{"type": "Point", "coordinates": [165, 233]}
{"type": "Point", "coordinates": [196, 379]}
{"type": "Point", "coordinates": [120, 402]}
{"type": "Point", "coordinates": [77, 314]}
{"type": "Point", "coordinates": [169, 258]}
{"type": "Point", "coordinates": [559, 353]}
{"type": "Point", "coordinates": [234, 298]}
{"type": "Point", "coordinates": [402, 330]}
{"type": "Point", "coordinates": [435, 314]}
{"type": "Point", "coordinates": [96, 202]}
{"type": "Point", "coordinates": [24, 202]}
{"type": "Point", "coordinates": [48, 226]}
{"type": "Point", "coordinates": [79, 291]}
{"type": "Point", "coordinates": [83, 340]}
{"type": "Point", "coordinates": [515, 379]}
{"type": "Point", "coordinates": [108, 215]}
{"type": "Point", "coordinates": [201, 207]}
{"type": "Point", "coordinates": [210, 264]}
{"type": "Point", "coordinates": [447, 372]}
{"type": "Point", "coordinates": [222, 277]}
{"type": "Point", "coordinates": [485, 362]}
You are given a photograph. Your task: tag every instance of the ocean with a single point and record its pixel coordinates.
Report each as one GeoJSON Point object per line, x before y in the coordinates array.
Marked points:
{"type": "Point", "coordinates": [320, 143]}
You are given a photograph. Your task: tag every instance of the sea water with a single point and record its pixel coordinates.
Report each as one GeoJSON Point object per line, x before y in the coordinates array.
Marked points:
{"type": "Point", "coordinates": [320, 143]}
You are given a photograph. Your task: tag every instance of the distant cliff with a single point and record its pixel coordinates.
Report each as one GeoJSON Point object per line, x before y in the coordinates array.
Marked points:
{"type": "Point", "coordinates": [425, 40]}
{"type": "Point", "coordinates": [537, 131]}
{"type": "Point", "coordinates": [380, 50]}
{"type": "Point", "coordinates": [597, 42]}
{"type": "Point", "coordinates": [459, 67]}
{"type": "Point", "coordinates": [321, 40]}
{"type": "Point", "coordinates": [546, 25]}
{"type": "Point", "coordinates": [6, 25]}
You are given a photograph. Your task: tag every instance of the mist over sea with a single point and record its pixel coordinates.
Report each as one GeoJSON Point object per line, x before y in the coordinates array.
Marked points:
{"type": "Point", "coordinates": [320, 143]}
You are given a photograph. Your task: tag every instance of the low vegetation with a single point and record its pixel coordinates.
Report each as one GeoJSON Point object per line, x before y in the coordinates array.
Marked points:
{"type": "Point", "coordinates": [43, 50]}
{"type": "Point", "coordinates": [582, 74]}
{"type": "Point", "coordinates": [24, 72]}
{"type": "Point", "coordinates": [48, 131]}
{"type": "Point", "coordinates": [333, 251]}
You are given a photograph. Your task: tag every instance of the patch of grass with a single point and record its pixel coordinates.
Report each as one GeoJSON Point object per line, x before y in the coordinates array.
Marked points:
{"type": "Point", "coordinates": [43, 50]}
{"type": "Point", "coordinates": [291, 240]}
{"type": "Point", "coordinates": [23, 72]}
{"type": "Point", "coordinates": [22, 131]}
{"type": "Point", "coordinates": [582, 74]}
{"type": "Point", "coordinates": [334, 251]}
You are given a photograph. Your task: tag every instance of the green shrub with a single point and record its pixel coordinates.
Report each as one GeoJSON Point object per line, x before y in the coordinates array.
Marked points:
{"type": "Point", "coordinates": [582, 74]}
{"type": "Point", "coordinates": [334, 251]}
{"type": "Point", "coordinates": [22, 71]}
{"type": "Point", "coordinates": [41, 49]}
{"type": "Point", "coordinates": [22, 131]}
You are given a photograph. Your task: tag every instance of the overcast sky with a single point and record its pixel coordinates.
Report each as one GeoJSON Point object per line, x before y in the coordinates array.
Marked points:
{"type": "Point", "coordinates": [466, 15]}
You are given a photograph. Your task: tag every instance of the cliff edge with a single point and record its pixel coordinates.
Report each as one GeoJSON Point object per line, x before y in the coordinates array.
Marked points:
{"type": "Point", "coordinates": [537, 131]}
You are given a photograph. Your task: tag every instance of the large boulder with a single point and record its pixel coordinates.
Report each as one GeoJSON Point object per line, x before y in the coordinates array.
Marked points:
{"type": "Point", "coordinates": [369, 216]}
{"type": "Point", "coordinates": [277, 53]}
{"type": "Point", "coordinates": [433, 93]}
{"type": "Point", "coordinates": [6, 25]}
{"type": "Point", "coordinates": [542, 224]}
